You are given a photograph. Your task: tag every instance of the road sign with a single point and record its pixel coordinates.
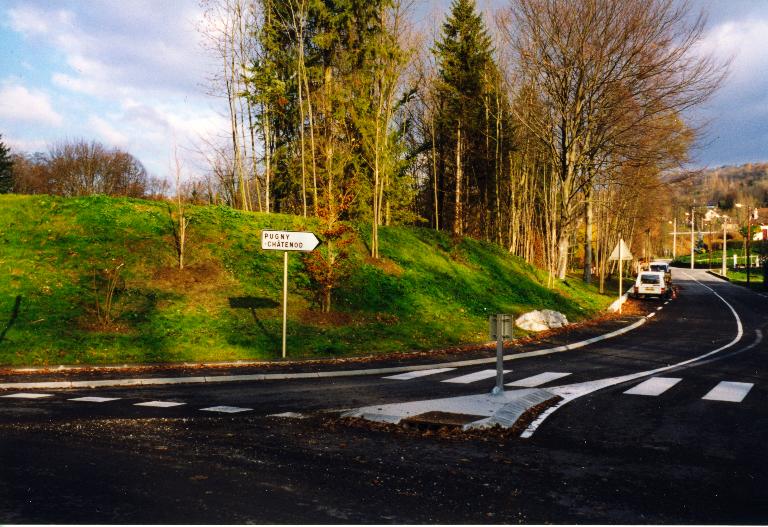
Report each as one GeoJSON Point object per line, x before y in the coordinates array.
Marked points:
{"type": "Point", "coordinates": [503, 322]}
{"type": "Point", "coordinates": [621, 251]}
{"type": "Point", "coordinates": [288, 241]}
{"type": "Point", "coordinates": [500, 329]}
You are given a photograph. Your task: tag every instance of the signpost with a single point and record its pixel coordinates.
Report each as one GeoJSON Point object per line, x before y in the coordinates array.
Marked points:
{"type": "Point", "coordinates": [500, 329]}
{"type": "Point", "coordinates": [287, 241]}
{"type": "Point", "coordinates": [621, 253]}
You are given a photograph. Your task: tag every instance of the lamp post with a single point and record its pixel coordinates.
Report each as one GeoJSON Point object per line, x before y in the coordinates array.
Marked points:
{"type": "Point", "coordinates": [725, 249]}
{"type": "Point", "coordinates": [752, 213]}
{"type": "Point", "coordinates": [692, 247]}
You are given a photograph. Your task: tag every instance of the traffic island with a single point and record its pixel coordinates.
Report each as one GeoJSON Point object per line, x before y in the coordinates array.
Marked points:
{"type": "Point", "coordinates": [469, 412]}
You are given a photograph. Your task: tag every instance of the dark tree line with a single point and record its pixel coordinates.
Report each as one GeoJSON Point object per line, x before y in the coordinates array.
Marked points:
{"type": "Point", "coordinates": [78, 168]}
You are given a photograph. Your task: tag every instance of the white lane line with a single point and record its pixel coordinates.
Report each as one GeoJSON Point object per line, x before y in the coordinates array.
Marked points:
{"type": "Point", "coordinates": [574, 391]}
{"type": "Point", "coordinates": [419, 373]}
{"type": "Point", "coordinates": [226, 409]}
{"type": "Point", "coordinates": [659, 308]}
{"type": "Point", "coordinates": [474, 377]}
{"type": "Point", "coordinates": [159, 404]}
{"type": "Point", "coordinates": [654, 386]}
{"type": "Point", "coordinates": [538, 380]}
{"type": "Point", "coordinates": [27, 395]}
{"type": "Point", "coordinates": [650, 315]}
{"type": "Point", "coordinates": [731, 392]}
{"type": "Point", "coordinates": [95, 399]}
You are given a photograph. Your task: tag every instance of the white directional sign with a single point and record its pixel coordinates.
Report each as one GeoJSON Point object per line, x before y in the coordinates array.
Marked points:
{"type": "Point", "coordinates": [288, 241]}
{"type": "Point", "coordinates": [621, 252]}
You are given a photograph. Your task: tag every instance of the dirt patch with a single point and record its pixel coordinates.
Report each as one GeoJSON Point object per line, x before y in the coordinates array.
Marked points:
{"type": "Point", "coordinates": [388, 266]}
{"type": "Point", "coordinates": [332, 319]}
{"type": "Point", "coordinates": [201, 276]}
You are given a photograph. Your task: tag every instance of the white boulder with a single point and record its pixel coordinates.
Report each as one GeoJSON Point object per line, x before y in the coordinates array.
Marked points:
{"type": "Point", "coordinates": [541, 320]}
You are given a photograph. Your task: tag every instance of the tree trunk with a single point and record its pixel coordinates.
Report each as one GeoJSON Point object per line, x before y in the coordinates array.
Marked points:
{"type": "Point", "coordinates": [458, 211]}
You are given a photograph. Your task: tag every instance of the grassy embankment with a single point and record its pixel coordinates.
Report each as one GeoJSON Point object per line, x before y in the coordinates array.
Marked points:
{"type": "Point", "coordinates": [57, 256]}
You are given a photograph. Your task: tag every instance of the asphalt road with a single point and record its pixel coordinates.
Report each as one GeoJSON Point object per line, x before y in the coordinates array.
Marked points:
{"type": "Point", "coordinates": [604, 457]}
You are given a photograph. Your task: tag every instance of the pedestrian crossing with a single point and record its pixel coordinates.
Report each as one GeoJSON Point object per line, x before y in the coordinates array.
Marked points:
{"type": "Point", "coordinates": [654, 386]}
{"type": "Point", "coordinates": [725, 391]}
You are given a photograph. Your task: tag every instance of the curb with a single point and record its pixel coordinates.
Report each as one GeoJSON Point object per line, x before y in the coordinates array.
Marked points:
{"type": "Point", "coordinates": [210, 379]}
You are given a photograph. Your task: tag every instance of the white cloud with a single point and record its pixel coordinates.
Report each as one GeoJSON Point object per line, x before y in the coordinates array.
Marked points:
{"type": "Point", "coordinates": [744, 43]}
{"type": "Point", "coordinates": [107, 132]}
{"type": "Point", "coordinates": [19, 104]}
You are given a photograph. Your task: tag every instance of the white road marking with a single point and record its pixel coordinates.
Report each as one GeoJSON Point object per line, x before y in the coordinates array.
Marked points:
{"type": "Point", "coordinates": [650, 315]}
{"type": "Point", "coordinates": [95, 399]}
{"type": "Point", "coordinates": [474, 377]}
{"type": "Point", "coordinates": [538, 380]}
{"type": "Point", "coordinates": [574, 391]}
{"type": "Point", "coordinates": [654, 386]}
{"type": "Point", "coordinates": [159, 404]}
{"type": "Point", "coordinates": [731, 392]}
{"type": "Point", "coordinates": [659, 308]}
{"type": "Point", "coordinates": [418, 373]}
{"type": "Point", "coordinates": [226, 409]}
{"type": "Point", "coordinates": [28, 395]}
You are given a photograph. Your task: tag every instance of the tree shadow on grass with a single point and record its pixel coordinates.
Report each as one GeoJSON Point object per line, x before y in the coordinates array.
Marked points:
{"type": "Point", "coordinates": [253, 303]}
{"type": "Point", "coordinates": [14, 316]}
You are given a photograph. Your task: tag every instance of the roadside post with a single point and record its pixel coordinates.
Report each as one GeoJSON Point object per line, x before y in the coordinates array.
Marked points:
{"type": "Point", "coordinates": [287, 241]}
{"type": "Point", "coordinates": [500, 328]}
{"type": "Point", "coordinates": [621, 253]}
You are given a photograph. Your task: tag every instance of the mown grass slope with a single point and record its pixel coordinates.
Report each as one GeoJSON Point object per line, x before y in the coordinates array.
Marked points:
{"type": "Point", "coordinates": [58, 257]}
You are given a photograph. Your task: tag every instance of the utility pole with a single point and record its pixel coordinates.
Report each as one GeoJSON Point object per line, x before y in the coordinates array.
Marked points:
{"type": "Point", "coordinates": [674, 237]}
{"type": "Point", "coordinates": [692, 226]}
{"type": "Point", "coordinates": [725, 249]}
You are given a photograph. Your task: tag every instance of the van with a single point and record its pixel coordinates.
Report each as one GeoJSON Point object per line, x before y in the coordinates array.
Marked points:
{"type": "Point", "coordinates": [651, 283]}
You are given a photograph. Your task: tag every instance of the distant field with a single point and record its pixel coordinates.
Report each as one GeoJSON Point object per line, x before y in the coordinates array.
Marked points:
{"type": "Point", "coordinates": [59, 257]}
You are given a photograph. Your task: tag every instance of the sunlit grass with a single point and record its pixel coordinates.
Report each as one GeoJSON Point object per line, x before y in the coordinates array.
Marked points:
{"type": "Point", "coordinates": [427, 291]}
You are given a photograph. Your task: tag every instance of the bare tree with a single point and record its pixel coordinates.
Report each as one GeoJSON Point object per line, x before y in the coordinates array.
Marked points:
{"type": "Point", "coordinates": [602, 70]}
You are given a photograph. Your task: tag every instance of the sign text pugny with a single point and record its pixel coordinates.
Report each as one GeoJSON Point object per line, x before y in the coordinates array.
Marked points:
{"type": "Point", "coordinates": [288, 241]}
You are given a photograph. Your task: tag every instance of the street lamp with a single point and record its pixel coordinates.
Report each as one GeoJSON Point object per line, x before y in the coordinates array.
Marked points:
{"type": "Point", "coordinates": [725, 249]}
{"type": "Point", "coordinates": [752, 215]}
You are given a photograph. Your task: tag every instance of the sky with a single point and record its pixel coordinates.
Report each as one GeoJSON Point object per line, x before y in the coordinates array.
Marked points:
{"type": "Point", "coordinates": [133, 74]}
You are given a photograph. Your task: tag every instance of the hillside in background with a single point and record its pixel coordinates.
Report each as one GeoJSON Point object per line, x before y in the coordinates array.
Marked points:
{"type": "Point", "coordinates": [726, 185]}
{"type": "Point", "coordinates": [95, 281]}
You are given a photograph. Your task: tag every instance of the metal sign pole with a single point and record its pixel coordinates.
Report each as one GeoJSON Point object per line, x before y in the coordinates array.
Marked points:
{"type": "Point", "coordinates": [621, 269]}
{"type": "Point", "coordinates": [499, 389]}
{"type": "Point", "coordinates": [287, 241]}
{"type": "Point", "coordinates": [285, 298]}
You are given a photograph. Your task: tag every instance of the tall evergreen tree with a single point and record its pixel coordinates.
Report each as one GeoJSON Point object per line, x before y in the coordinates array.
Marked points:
{"type": "Point", "coordinates": [465, 66]}
{"type": "Point", "coordinates": [6, 168]}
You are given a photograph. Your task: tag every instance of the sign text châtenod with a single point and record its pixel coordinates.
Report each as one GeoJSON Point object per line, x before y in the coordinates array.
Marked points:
{"type": "Point", "coordinates": [288, 241]}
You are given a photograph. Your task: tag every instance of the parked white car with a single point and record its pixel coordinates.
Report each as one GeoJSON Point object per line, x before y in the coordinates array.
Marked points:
{"type": "Point", "coordinates": [662, 267]}
{"type": "Point", "coordinates": [651, 283]}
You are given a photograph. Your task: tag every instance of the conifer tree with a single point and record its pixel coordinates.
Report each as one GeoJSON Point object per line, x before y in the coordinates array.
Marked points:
{"type": "Point", "coordinates": [6, 169]}
{"type": "Point", "coordinates": [465, 65]}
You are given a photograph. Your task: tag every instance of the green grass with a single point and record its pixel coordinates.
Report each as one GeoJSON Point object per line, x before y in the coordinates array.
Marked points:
{"type": "Point", "coordinates": [427, 291]}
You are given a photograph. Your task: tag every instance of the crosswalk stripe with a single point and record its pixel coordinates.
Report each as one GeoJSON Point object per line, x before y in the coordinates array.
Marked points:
{"type": "Point", "coordinates": [226, 409]}
{"type": "Point", "coordinates": [95, 399]}
{"type": "Point", "coordinates": [159, 404]}
{"type": "Point", "coordinates": [732, 392]}
{"type": "Point", "coordinates": [27, 395]}
{"type": "Point", "coordinates": [419, 373]}
{"type": "Point", "coordinates": [538, 380]}
{"type": "Point", "coordinates": [653, 386]}
{"type": "Point", "coordinates": [474, 377]}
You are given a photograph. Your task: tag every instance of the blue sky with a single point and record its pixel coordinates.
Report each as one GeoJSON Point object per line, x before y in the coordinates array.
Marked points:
{"type": "Point", "coordinates": [132, 74]}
